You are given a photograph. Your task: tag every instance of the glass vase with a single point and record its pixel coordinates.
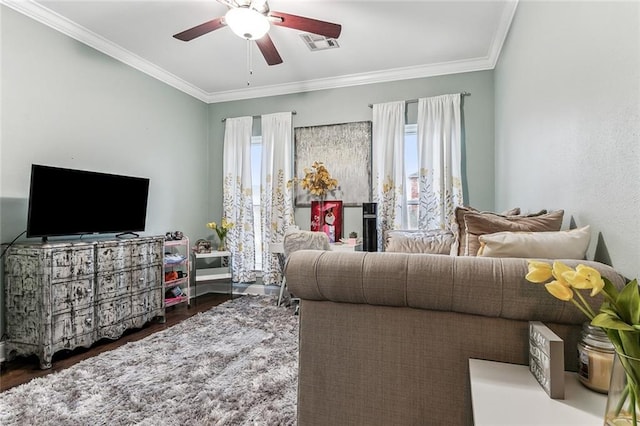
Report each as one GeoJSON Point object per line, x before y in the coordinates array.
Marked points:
{"type": "Point", "coordinates": [622, 401]}
{"type": "Point", "coordinates": [223, 245]}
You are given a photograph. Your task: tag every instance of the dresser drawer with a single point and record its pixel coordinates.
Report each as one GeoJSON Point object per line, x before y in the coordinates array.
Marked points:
{"type": "Point", "coordinates": [72, 326]}
{"type": "Point", "coordinates": [113, 284]}
{"type": "Point", "coordinates": [68, 264]}
{"type": "Point", "coordinates": [147, 253]}
{"type": "Point", "coordinates": [72, 294]}
{"type": "Point", "coordinates": [112, 257]}
{"type": "Point", "coordinates": [113, 316]}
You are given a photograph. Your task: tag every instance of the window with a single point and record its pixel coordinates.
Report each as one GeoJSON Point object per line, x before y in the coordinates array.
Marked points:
{"type": "Point", "coordinates": [412, 173]}
{"type": "Point", "coordinates": [256, 164]}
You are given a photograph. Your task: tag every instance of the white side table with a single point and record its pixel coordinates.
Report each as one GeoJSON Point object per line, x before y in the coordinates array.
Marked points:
{"type": "Point", "coordinates": [212, 274]}
{"type": "Point", "coordinates": [508, 394]}
{"type": "Point", "coordinates": [346, 247]}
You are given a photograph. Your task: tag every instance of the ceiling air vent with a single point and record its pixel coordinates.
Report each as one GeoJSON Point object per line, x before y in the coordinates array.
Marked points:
{"type": "Point", "coordinates": [317, 42]}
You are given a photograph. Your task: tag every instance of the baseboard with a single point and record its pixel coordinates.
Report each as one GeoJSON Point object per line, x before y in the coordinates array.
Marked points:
{"type": "Point", "coordinates": [209, 287]}
{"type": "Point", "coordinates": [260, 289]}
{"type": "Point", "coordinates": [238, 289]}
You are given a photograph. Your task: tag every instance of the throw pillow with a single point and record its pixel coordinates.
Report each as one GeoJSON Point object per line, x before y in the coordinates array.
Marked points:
{"type": "Point", "coordinates": [477, 224]}
{"type": "Point", "coordinates": [538, 213]}
{"type": "Point", "coordinates": [460, 242]}
{"type": "Point", "coordinates": [571, 244]}
{"type": "Point", "coordinates": [434, 241]}
{"type": "Point", "coordinates": [458, 229]}
{"type": "Point", "coordinates": [511, 212]}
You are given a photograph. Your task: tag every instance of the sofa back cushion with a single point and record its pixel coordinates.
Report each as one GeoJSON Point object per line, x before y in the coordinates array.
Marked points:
{"type": "Point", "coordinates": [477, 224]}
{"type": "Point", "coordinates": [571, 244]}
{"type": "Point", "coordinates": [487, 286]}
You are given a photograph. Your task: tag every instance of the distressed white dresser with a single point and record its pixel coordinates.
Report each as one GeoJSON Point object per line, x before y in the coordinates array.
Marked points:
{"type": "Point", "coordinates": [63, 295]}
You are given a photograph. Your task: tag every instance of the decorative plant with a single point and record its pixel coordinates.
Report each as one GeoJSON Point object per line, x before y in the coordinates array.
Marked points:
{"type": "Point", "coordinates": [618, 316]}
{"type": "Point", "coordinates": [221, 230]}
{"type": "Point", "coordinates": [317, 180]}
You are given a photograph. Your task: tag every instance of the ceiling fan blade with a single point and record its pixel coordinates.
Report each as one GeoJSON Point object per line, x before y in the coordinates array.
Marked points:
{"type": "Point", "coordinates": [201, 29]}
{"type": "Point", "coordinates": [309, 25]}
{"type": "Point", "coordinates": [269, 51]}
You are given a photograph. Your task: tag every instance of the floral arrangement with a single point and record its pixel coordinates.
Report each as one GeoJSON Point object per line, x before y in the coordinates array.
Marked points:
{"type": "Point", "coordinates": [221, 230]}
{"type": "Point", "coordinates": [618, 316]}
{"type": "Point", "coordinates": [317, 180]}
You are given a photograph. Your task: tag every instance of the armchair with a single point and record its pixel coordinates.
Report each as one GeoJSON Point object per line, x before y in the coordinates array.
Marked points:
{"type": "Point", "coordinates": [302, 240]}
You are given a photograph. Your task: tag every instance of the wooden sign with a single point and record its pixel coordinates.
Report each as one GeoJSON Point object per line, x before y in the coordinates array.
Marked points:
{"type": "Point", "coordinates": [546, 359]}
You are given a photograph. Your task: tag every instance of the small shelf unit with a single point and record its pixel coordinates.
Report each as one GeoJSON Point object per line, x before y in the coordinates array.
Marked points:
{"type": "Point", "coordinates": [222, 272]}
{"type": "Point", "coordinates": [177, 272]}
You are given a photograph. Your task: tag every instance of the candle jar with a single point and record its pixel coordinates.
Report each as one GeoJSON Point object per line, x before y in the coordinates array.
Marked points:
{"type": "Point", "coordinates": [595, 358]}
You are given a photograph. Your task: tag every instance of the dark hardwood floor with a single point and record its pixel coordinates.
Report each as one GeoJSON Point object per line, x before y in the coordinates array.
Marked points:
{"type": "Point", "coordinates": [23, 369]}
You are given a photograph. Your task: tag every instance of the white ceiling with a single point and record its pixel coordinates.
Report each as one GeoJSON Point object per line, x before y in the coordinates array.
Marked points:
{"type": "Point", "coordinates": [380, 41]}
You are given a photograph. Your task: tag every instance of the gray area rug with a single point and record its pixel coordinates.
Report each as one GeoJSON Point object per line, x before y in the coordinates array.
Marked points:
{"type": "Point", "coordinates": [235, 364]}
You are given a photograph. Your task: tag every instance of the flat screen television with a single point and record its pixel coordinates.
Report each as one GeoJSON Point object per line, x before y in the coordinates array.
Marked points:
{"type": "Point", "coordinates": [71, 202]}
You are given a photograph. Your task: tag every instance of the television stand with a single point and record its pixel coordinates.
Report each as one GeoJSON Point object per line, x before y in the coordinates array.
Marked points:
{"type": "Point", "coordinates": [66, 295]}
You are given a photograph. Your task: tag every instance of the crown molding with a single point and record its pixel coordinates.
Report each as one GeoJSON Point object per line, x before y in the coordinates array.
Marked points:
{"type": "Point", "coordinates": [73, 30]}
{"type": "Point", "coordinates": [395, 74]}
{"type": "Point", "coordinates": [502, 31]}
{"type": "Point", "coordinates": [60, 23]}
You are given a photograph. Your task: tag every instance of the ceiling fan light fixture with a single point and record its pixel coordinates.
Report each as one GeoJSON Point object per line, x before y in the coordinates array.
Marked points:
{"type": "Point", "coordinates": [247, 23]}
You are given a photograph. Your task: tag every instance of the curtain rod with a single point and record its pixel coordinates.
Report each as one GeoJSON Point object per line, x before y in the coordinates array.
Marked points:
{"type": "Point", "coordinates": [413, 101]}
{"type": "Point", "coordinates": [258, 116]}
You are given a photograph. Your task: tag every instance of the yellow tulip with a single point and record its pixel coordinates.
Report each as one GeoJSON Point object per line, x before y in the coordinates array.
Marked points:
{"type": "Point", "coordinates": [539, 272]}
{"type": "Point", "coordinates": [592, 273]}
{"type": "Point", "coordinates": [559, 290]}
{"type": "Point", "coordinates": [558, 270]}
{"type": "Point", "coordinates": [567, 286]}
{"type": "Point", "coordinates": [585, 277]}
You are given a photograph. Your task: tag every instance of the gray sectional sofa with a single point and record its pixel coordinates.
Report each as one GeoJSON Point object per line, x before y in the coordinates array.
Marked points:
{"type": "Point", "coordinates": [385, 337]}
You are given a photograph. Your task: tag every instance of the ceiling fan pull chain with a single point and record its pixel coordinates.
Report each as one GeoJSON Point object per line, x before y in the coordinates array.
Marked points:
{"type": "Point", "coordinates": [249, 63]}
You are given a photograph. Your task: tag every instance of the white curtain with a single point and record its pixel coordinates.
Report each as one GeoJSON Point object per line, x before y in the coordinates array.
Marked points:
{"type": "Point", "coordinates": [439, 153]}
{"type": "Point", "coordinates": [388, 166]}
{"type": "Point", "coordinates": [237, 201]}
{"type": "Point", "coordinates": [276, 199]}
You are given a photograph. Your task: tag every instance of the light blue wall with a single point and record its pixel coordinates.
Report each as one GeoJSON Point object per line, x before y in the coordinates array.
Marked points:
{"type": "Point", "coordinates": [65, 104]}
{"type": "Point", "coordinates": [568, 120]}
{"type": "Point", "coordinates": [351, 104]}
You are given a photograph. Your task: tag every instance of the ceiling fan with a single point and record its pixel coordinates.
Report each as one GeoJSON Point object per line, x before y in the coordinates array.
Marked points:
{"type": "Point", "coordinates": [251, 20]}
